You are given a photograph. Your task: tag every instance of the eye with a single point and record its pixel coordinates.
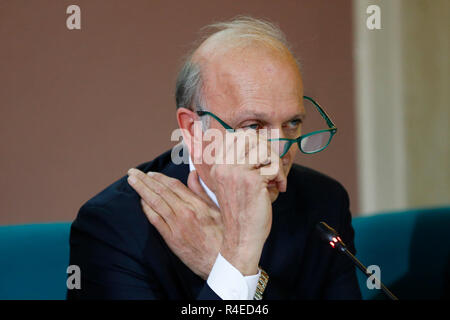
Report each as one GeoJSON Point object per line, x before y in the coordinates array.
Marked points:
{"type": "Point", "coordinates": [253, 126]}
{"type": "Point", "coordinates": [294, 124]}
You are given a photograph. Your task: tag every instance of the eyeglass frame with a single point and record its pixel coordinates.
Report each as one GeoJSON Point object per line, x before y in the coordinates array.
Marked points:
{"type": "Point", "coordinates": [331, 128]}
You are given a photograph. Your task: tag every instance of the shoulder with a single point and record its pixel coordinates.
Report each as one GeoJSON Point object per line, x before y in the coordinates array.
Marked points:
{"type": "Point", "coordinates": [314, 183]}
{"type": "Point", "coordinates": [120, 192]}
{"type": "Point", "coordinates": [316, 197]}
{"type": "Point", "coordinates": [114, 216]}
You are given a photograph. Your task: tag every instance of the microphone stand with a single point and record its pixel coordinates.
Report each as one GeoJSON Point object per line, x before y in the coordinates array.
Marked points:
{"type": "Point", "coordinates": [364, 270]}
{"type": "Point", "coordinates": [330, 235]}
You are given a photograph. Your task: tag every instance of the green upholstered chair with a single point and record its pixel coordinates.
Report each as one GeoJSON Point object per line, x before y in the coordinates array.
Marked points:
{"type": "Point", "coordinates": [34, 260]}
{"type": "Point", "coordinates": [412, 249]}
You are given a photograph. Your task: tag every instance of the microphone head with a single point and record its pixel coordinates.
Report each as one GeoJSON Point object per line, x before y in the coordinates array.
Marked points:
{"type": "Point", "coordinates": [326, 232]}
{"type": "Point", "coordinates": [329, 235]}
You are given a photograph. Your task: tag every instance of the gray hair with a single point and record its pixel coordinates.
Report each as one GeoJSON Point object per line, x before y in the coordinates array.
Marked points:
{"type": "Point", "coordinates": [240, 30]}
{"type": "Point", "coordinates": [188, 93]}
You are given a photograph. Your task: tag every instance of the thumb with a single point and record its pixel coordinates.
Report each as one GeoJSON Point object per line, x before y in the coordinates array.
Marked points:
{"type": "Point", "coordinates": [194, 184]}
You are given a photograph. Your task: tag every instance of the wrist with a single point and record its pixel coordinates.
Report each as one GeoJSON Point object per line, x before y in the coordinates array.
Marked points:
{"type": "Point", "coordinates": [245, 260]}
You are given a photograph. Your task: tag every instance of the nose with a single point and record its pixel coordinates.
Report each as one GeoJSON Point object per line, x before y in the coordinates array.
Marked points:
{"type": "Point", "coordinates": [280, 142]}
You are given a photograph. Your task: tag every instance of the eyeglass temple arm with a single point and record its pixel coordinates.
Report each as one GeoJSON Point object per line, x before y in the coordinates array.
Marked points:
{"type": "Point", "coordinates": [203, 113]}
{"type": "Point", "coordinates": [322, 112]}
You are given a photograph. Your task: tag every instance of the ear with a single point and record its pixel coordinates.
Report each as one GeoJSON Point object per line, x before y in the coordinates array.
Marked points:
{"type": "Point", "coordinates": [185, 119]}
{"type": "Point", "coordinates": [190, 128]}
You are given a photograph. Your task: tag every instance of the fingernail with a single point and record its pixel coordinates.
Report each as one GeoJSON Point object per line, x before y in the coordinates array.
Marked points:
{"type": "Point", "coordinates": [130, 171]}
{"type": "Point", "coordinates": [132, 179]}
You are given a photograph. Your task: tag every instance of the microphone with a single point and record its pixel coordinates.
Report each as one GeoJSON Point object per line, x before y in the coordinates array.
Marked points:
{"type": "Point", "coordinates": [331, 236]}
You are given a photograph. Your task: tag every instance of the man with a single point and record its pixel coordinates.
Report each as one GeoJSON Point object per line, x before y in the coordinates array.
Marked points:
{"type": "Point", "coordinates": [212, 230]}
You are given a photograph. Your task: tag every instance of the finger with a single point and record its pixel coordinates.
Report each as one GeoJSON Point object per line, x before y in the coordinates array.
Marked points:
{"type": "Point", "coordinates": [263, 153]}
{"type": "Point", "coordinates": [194, 184]}
{"type": "Point", "coordinates": [274, 171]}
{"type": "Point", "coordinates": [281, 180]}
{"type": "Point", "coordinates": [224, 153]}
{"type": "Point", "coordinates": [175, 186]}
{"type": "Point", "coordinates": [157, 185]}
{"type": "Point", "coordinates": [280, 177]}
{"type": "Point", "coordinates": [257, 151]}
{"type": "Point", "coordinates": [156, 220]}
{"type": "Point", "coordinates": [246, 146]}
{"type": "Point", "coordinates": [172, 191]}
{"type": "Point", "coordinates": [151, 198]}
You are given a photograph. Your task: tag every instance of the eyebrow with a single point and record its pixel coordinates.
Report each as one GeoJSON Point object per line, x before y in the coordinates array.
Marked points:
{"type": "Point", "coordinates": [247, 115]}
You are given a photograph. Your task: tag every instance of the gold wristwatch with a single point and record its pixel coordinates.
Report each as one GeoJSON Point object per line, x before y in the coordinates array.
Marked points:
{"type": "Point", "coordinates": [261, 286]}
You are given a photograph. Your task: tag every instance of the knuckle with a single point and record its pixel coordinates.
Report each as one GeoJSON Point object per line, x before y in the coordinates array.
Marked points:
{"type": "Point", "coordinates": [153, 217]}
{"type": "Point", "coordinates": [201, 205]}
{"type": "Point", "coordinates": [155, 202]}
{"type": "Point", "coordinates": [159, 189]}
{"type": "Point", "coordinates": [207, 220]}
{"type": "Point", "coordinates": [146, 195]}
{"type": "Point", "coordinates": [144, 204]}
{"type": "Point", "coordinates": [188, 213]}
{"type": "Point", "coordinates": [173, 183]}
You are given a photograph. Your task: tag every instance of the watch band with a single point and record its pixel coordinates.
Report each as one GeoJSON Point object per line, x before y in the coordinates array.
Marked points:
{"type": "Point", "coordinates": [261, 286]}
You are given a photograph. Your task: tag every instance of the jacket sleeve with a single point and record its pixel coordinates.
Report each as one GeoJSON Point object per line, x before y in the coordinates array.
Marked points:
{"type": "Point", "coordinates": [110, 262]}
{"type": "Point", "coordinates": [341, 280]}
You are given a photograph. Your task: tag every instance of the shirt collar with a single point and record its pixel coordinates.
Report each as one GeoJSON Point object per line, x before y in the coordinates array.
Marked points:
{"type": "Point", "coordinates": [210, 194]}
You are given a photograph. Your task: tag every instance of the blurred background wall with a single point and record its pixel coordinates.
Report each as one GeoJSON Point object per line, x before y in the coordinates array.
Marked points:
{"type": "Point", "coordinates": [78, 108]}
{"type": "Point", "coordinates": [402, 80]}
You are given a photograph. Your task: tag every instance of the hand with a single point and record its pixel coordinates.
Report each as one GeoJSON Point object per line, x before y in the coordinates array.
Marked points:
{"type": "Point", "coordinates": [246, 206]}
{"type": "Point", "coordinates": [186, 218]}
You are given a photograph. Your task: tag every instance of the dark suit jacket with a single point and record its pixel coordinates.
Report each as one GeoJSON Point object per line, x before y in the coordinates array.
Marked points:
{"type": "Point", "coordinates": [122, 256]}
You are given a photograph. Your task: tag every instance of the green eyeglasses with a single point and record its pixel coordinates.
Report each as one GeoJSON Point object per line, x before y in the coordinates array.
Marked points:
{"type": "Point", "coordinates": [309, 143]}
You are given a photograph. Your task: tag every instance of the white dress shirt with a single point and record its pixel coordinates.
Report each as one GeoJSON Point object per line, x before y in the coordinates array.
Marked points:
{"type": "Point", "coordinates": [225, 280]}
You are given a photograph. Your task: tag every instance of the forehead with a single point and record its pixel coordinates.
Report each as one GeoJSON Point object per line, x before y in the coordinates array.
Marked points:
{"type": "Point", "coordinates": [253, 77]}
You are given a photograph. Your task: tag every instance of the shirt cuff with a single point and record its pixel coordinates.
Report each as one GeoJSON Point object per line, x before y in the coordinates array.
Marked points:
{"type": "Point", "coordinates": [229, 283]}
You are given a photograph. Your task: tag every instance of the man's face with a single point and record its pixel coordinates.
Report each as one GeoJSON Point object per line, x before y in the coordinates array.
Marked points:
{"type": "Point", "coordinates": [254, 87]}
